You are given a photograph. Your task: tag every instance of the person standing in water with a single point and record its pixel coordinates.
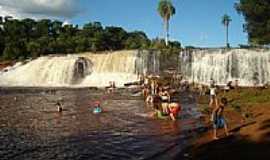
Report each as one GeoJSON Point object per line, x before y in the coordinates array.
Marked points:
{"type": "Point", "coordinates": [174, 109]}
{"type": "Point", "coordinates": [165, 99]}
{"type": "Point", "coordinates": [59, 106]}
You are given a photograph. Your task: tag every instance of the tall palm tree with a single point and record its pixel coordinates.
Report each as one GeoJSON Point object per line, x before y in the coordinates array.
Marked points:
{"type": "Point", "coordinates": [166, 11]}
{"type": "Point", "coordinates": [226, 22]}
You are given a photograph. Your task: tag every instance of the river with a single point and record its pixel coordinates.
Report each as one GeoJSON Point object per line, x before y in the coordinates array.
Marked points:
{"type": "Point", "coordinates": [31, 127]}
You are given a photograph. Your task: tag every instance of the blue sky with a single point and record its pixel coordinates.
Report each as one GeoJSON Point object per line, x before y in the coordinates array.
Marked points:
{"type": "Point", "coordinates": [196, 22]}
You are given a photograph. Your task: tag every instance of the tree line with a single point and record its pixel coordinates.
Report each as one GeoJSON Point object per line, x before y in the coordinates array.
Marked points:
{"type": "Point", "coordinates": [25, 38]}
{"type": "Point", "coordinates": [257, 16]}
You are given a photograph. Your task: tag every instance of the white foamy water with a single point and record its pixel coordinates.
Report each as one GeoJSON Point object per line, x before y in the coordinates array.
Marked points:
{"type": "Point", "coordinates": [44, 71]}
{"type": "Point", "coordinates": [119, 67]}
{"type": "Point", "coordinates": [80, 70]}
{"type": "Point", "coordinates": [246, 66]}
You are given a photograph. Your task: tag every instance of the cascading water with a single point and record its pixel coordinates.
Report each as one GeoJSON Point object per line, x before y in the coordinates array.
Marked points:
{"type": "Point", "coordinates": [148, 62]}
{"type": "Point", "coordinates": [45, 71]}
{"type": "Point", "coordinates": [81, 70]}
{"type": "Point", "coordinates": [249, 67]}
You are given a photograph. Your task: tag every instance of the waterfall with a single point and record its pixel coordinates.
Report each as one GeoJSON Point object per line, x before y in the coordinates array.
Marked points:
{"type": "Point", "coordinates": [118, 67]}
{"type": "Point", "coordinates": [44, 71]}
{"type": "Point", "coordinates": [249, 67]}
{"type": "Point", "coordinates": [81, 70]}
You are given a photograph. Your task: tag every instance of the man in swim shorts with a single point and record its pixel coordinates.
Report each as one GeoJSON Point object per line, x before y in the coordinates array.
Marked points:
{"type": "Point", "coordinates": [219, 120]}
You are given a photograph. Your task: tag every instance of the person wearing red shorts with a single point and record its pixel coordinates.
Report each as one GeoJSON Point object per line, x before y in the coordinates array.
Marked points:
{"type": "Point", "coordinates": [174, 109]}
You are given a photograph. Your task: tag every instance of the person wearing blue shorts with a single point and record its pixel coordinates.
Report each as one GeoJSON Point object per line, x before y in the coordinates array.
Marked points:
{"type": "Point", "coordinates": [218, 118]}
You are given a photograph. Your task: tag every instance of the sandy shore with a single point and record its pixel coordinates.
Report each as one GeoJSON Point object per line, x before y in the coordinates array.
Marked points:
{"type": "Point", "coordinates": [249, 124]}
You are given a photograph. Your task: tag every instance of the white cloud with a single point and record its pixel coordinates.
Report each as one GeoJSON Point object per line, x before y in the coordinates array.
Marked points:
{"type": "Point", "coordinates": [39, 8]}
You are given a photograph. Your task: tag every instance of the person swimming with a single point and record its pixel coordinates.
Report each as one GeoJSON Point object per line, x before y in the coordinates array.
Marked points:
{"type": "Point", "coordinates": [97, 108]}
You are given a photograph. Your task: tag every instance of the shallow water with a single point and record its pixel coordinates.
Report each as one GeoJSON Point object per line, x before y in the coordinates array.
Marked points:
{"type": "Point", "coordinates": [30, 127]}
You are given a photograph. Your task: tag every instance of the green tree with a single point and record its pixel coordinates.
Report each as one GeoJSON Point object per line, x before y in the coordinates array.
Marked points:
{"type": "Point", "coordinates": [90, 29]}
{"type": "Point", "coordinates": [34, 48]}
{"type": "Point", "coordinates": [28, 37]}
{"type": "Point", "coordinates": [158, 44]}
{"type": "Point", "coordinates": [166, 11]}
{"type": "Point", "coordinates": [28, 26]}
{"type": "Point", "coordinates": [56, 28]}
{"type": "Point", "coordinates": [43, 28]}
{"type": "Point", "coordinates": [226, 22]}
{"type": "Point", "coordinates": [15, 50]}
{"type": "Point", "coordinates": [257, 17]}
{"type": "Point", "coordinates": [115, 38]}
{"type": "Point", "coordinates": [137, 40]}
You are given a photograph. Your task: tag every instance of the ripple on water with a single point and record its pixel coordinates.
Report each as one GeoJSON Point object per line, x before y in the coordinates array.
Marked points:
{"type": "Point", "coordinates": [32, 129]}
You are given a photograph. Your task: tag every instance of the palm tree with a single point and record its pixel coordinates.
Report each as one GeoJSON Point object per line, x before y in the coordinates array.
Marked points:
{"type": "Point", "coordinates": [166, 11]}
{"type": "Point", "coordinates": [226, 22]}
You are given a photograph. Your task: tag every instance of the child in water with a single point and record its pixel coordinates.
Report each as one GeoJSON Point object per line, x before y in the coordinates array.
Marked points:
{"type": "Point", "coordinates": [218, 118]}
{"type": "Point", "coordinates": [174, 109]}
{"type": "Point", "coordinates": [97, 108]}
{"type": "Point", "coordinates": [59, 107]}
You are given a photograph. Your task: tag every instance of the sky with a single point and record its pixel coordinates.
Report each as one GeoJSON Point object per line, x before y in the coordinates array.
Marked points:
{"type": "Point", "coordinates": [196, 22]}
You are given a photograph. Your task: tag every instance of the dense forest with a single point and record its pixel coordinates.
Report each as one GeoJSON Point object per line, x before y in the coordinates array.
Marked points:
{"type": "Point", "coordinates": [20, 39]}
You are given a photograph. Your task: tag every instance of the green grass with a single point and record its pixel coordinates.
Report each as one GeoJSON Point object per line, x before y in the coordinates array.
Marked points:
{"type": "Point", "coordinates": [239, 100]}
{"type": "Point", "coordinates": [249, 96]}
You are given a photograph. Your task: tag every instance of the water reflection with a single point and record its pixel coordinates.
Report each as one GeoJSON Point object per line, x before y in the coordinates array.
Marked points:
{"type": "Point", "coordinates": [32, 128]}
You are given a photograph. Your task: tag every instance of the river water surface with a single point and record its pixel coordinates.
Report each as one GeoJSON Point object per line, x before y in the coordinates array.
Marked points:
{"type": "Point", "coordinates": [31, 128]}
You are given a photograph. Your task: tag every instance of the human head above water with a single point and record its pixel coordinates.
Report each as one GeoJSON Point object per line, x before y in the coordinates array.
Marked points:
{"type": "Point", "coordinates": [97, 103]}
